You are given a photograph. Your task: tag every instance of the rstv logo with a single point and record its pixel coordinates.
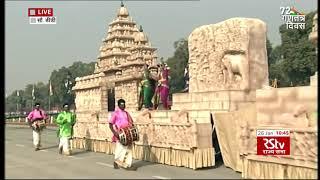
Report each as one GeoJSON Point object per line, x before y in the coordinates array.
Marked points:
{"type": "Point", "coordinates": [273, 144]}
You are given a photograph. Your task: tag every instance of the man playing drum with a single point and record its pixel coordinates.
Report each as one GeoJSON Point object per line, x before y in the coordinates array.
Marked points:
{"type": "Point", "coordinates": [36, 120]}
{"type": "Point", "coordinates": [123, 153]}
{"type": "Point", "coordinates": [66, 121]}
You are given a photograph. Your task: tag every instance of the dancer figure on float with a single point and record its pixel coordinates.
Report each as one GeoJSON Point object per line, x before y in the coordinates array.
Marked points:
{"type": "Point", "coordinates": [162, 91]}
{"type": "Point", "coordinates": [147, 90]}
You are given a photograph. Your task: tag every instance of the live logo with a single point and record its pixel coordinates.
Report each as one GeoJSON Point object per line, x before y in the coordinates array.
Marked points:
{"type": "Point", "coordinates": [40, 12]}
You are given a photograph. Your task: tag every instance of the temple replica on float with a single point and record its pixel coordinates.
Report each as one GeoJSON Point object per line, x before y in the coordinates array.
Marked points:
{"type": "Point", "coordinates": [228, 86]}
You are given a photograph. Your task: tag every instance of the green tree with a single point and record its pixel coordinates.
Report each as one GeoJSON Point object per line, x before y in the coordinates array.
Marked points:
{"type": "Point", "coordinates": [269, 52]}
{"type": "Point", "coordinates": [295, 59]}
{"type": "Point", "coordinates": [58, 77]}
{"type": "Point", "coordinates": [177, 64]}
{"type": "Point", "coordinates": [12, 101]}
{"type": "Point", "coordinates": [41, 90]}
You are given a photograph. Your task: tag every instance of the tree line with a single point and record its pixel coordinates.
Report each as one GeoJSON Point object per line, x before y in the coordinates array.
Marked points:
{"type": "Point", "coordinates": [295, 60]}
{"type": "Point", "coordinates": [291, 63]}
{"type": "Point", "coordinates": [40, 91]}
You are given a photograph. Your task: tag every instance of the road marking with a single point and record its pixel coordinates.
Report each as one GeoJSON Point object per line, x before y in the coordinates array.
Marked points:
{"type": "Point", "coordinates": [104, 164]}
{"type": "Point", "coordinates": [20, 145]}
{"type": "Point", "coordinates": [160, 177]}
{"type": "Point", "coordinates": [75, 157]}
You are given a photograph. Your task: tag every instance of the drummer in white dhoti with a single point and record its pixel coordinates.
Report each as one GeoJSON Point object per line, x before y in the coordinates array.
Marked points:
{"type": "Point", "coordinates": [121, 119]}
{"type": "Point", "coordinates": [36, 120]}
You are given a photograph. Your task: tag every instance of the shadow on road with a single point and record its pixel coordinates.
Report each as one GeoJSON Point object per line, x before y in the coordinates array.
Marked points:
{"type": "Point", "coordinates": [80, 152]}
{"type": "Point", "coordinates": [50, 147]}
{"type": "Point", "coordinates": [140, 163]}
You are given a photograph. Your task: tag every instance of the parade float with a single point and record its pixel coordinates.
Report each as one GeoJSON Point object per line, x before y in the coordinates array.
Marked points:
{"type": "Point", "coordinates": [292, 108]}
{"type": "Point", "coordinates": [228, 94]}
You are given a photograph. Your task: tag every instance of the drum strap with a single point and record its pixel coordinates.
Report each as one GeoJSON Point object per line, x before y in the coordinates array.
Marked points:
{"type": "Point", "coordinates": [129, 118]}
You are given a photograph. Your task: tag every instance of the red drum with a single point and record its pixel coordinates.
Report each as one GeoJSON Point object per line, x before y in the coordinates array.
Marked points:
{"type": "Point", "coordinates": [38, 125]}
{"type": "Point", "coordinates": [128, 135]}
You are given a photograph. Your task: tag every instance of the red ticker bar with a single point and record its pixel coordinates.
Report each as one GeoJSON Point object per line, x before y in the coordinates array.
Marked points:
{"type": "Point", "coordinates": [40, 12]}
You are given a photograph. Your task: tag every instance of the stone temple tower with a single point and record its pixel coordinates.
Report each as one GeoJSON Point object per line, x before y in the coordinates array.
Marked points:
{"type": "Point", "coordinates": [119, 68]}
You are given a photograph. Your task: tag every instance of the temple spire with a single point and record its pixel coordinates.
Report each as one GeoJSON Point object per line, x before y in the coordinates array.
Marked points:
{"type": "Point", "coordinates": [124, 40]}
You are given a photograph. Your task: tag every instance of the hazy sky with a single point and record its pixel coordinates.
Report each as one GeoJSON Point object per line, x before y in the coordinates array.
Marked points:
{"type": "Point", "coordinates": [32, 52]}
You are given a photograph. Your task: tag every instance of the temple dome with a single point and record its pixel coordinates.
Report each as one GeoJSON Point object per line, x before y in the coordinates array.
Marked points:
{"type": "Point", "coordinates": [140, 36]}
{"type": "Point", "coordinates": [123, 11]}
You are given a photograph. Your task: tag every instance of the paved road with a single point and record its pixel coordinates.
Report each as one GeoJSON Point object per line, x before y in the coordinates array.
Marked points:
{"type": "Point", "coordinates": [21, 161]}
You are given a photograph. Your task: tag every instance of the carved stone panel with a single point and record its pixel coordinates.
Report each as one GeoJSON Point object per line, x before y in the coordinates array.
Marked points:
{"type": "Point", "coordinates": [230, 55]}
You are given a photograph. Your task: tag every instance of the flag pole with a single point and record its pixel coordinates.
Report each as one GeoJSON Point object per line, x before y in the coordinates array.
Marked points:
{"type": "Point", "coordinates": [49, 103]}
{"type": "Point", "coordinates": [33, 97]}
{"type": "Point", "coordinates": [50, 93]}
{"type": "Point", "coordinates": [18, 95]}
{"type": "Point", "coordinates": [49, 120]}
